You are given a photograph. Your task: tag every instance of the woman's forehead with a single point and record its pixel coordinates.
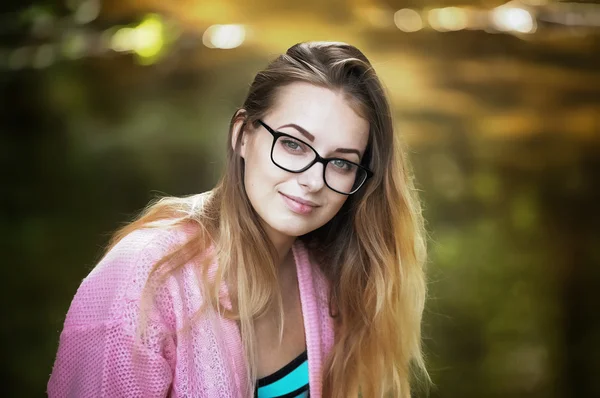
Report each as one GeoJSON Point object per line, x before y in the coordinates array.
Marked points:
{"type": "Point", "coordinates": [325, 114]}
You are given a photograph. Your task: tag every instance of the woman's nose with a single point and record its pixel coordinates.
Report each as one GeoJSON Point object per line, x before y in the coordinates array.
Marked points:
{"type": "Point", "coordinates": [313, 177]}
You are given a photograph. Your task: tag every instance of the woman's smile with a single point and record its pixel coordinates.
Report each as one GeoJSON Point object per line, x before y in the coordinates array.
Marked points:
{"type": "Point", "coordinates": [296, 206]}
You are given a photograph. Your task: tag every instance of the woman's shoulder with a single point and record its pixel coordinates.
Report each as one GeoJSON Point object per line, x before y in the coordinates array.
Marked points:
{"type": "Point", "coordinates": [134, 255]}
{"type": "Point", "coordinates": [119, 278]}
{"type": "Point", "coordinates": [144, 246]}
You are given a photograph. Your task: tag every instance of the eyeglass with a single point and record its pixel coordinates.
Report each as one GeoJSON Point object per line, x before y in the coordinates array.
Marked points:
{"type": "Point", "coordinates": [296, 156]}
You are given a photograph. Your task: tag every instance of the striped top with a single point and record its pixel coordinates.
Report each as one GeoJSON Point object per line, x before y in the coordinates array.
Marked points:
{"type": "Point", "coordinates": [291, 381]}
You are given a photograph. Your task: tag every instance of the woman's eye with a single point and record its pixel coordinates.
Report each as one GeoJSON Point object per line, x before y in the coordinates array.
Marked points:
{"type": "Point", "coordinates": [290, 144]}
{"type": "Point", "coordinates": [341, 164]}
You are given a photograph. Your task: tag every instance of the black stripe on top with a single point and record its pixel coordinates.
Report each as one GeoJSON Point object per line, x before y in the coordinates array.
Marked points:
{"type": "Point", "coordinates": [280, 374]}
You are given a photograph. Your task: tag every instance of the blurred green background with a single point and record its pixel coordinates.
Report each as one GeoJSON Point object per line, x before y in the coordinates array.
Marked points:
{"type": "Point", "coordinates": [106, 104]}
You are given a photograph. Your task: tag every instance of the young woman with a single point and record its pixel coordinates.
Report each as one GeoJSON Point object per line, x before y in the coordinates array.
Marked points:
{"type": "Point", "coordinates": [300, 274]}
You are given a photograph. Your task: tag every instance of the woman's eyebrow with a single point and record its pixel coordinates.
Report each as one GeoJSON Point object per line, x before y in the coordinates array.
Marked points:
{"type": "Point", "coordinates": [311, 138]}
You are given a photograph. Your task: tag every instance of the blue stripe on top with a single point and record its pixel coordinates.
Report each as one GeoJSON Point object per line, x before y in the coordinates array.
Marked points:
{"type": "Point", "coordinates": [291, 381]}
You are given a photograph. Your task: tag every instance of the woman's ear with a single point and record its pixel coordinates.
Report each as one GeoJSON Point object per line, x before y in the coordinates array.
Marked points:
{"type": "Point", "coordinates": [238, 127]}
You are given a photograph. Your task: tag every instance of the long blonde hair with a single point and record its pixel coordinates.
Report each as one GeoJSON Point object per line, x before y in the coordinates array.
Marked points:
{"type": "Point", "coordinates": [372, 252]}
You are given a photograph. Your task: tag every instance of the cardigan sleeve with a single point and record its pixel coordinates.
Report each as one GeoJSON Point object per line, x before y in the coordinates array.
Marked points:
{"type": "Point", "coordinates": [102, 350]}
{"type": "Point", "coordinates": [105, 361]}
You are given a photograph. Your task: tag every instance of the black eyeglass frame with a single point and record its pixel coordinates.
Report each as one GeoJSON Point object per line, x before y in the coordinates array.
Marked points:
{"type": "Point", "coordinates": [318, 158]}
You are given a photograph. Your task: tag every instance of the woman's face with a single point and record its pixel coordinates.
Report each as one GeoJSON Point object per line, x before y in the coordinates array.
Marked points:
{"type": "Point", "coordinates": [323, 119]}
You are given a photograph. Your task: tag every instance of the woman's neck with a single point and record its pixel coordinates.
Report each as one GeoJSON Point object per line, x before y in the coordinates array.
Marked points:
{"type": "Point", "coordinates": [283, 245]}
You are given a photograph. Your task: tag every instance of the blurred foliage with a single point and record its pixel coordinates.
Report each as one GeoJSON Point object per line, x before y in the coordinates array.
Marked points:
{"type": "Point", "coordinates": [504, 136]}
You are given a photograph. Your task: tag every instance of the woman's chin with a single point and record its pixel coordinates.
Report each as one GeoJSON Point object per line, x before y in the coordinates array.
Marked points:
{"type": "Point", "coordinates": [293, 232]}
{"type": "Point", "coordinates": [290, 228]}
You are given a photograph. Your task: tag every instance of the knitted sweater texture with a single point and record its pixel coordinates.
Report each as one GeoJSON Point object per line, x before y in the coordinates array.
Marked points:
{"type": "Point", "coordinates": [101, 354]}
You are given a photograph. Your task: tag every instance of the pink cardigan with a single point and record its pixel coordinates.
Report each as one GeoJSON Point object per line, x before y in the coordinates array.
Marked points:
{"type": "Point", "coordinates": [99, 356]}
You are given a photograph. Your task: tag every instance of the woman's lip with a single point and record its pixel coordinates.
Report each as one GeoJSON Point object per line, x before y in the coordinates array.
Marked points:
{"type": "Point", "coordinates": [302, 201]}
{"type": "Point", "coordinates": [297, 207]}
